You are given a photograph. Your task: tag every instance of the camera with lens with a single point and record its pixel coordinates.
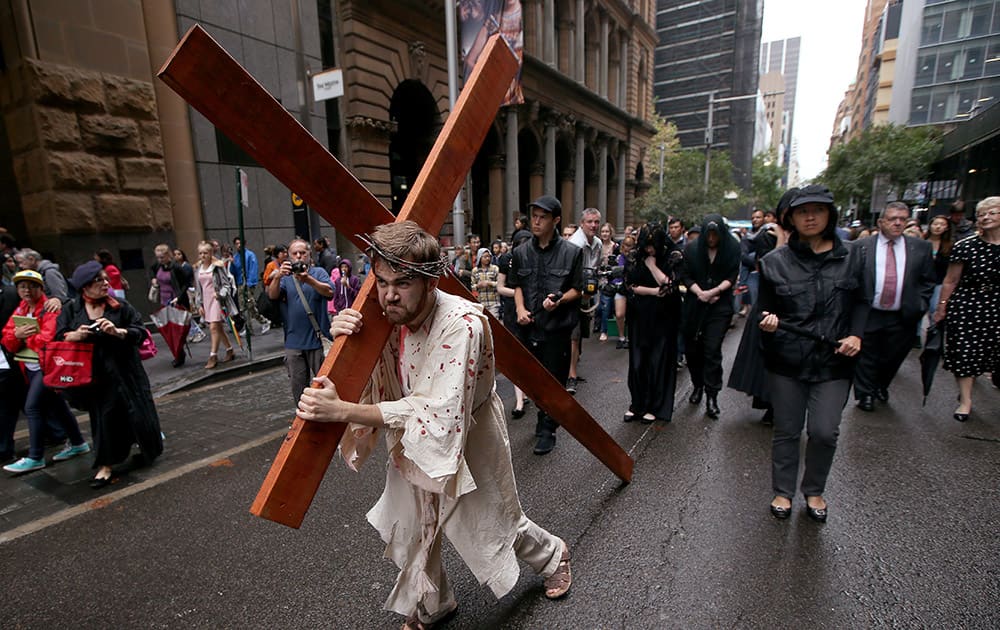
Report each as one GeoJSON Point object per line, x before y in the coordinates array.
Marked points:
{"type": "Point", "coordinates": [299, 266]}
{"type": "Point", "coordinates": [95, 327]}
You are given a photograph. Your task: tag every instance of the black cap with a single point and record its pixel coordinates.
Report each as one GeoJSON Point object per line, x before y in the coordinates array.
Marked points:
{"type": "Point", "coordinates": [549, 204]}
{"type": "Point", "coordinates": [814, 193]}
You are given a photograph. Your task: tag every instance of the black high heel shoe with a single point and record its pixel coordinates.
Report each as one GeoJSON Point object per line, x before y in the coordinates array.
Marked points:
{"type": "Point", "coordinates": [961, 417]}
{"type": "Point", "coordinates": [695, 397]}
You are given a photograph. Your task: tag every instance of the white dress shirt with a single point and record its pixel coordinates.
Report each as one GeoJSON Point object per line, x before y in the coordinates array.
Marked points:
{"type": "Point", "coordinates": [899, 249]}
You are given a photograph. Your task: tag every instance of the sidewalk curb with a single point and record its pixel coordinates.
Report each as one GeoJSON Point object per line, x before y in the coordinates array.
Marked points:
{"type": "Point", "coordinates": [208, 377]}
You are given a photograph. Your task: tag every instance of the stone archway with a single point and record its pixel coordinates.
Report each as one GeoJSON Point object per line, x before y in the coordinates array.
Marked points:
{"type": "Point", "coordinates": [531, 165]}
{"type": "Point", "coordinates": [417, 122]}
{"type": "Point", "coordinates": [486, 190]}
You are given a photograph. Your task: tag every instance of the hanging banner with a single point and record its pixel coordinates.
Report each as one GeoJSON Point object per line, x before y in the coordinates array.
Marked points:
{"type": "Point", "coordinates": [478, 20]}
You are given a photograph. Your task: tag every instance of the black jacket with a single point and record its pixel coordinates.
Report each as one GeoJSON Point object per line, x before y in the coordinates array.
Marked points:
{"type": "Point", "coordinates": [539, 272]}
{"type": "Point", "coordinates": [823, 293]}
{"type": "Point", "coordinates": [181, 279]}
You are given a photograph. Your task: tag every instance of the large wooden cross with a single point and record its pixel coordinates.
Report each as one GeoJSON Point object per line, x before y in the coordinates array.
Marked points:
{"type": "Point", "coordinates": [208, 78]}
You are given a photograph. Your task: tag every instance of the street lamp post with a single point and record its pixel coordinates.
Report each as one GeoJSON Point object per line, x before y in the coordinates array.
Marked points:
{"type": "Point", "coordinates": [708, 128]}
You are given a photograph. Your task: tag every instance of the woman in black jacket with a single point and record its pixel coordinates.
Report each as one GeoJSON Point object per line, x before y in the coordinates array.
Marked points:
{"type": "Point", "coordinates": [119, 402]}
{"type": "Point", "coordinates": [711, 265]}
{"type": "Point", "coordinates": [814, 284]}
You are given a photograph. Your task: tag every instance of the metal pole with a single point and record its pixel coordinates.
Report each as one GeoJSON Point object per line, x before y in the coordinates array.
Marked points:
{"type": "Point", "coordinates": [451, 35]}
{"type": "Point", "coordinates": [305, 107]}
{"type": "Point", "coordinates": [663, 147]}
{"type": "Point", "coordinates": [243, 259]}
{"type": "Point", "coordinates": [708, 138]}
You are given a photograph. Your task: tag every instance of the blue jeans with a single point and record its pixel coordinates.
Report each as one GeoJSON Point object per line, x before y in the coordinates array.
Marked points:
{"type": "Point", "coordinates": [40, 404]}
{"type": "Point", "coordinates": [606, 309]}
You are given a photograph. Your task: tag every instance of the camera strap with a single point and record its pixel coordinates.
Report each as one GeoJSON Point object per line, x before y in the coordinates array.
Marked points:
{"type": "Point", "coordinates": [305, 305]}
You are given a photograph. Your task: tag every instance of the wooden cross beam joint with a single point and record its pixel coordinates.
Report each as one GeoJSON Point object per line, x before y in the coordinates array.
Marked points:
{"type": "Point", "coordinates": [208, 78]}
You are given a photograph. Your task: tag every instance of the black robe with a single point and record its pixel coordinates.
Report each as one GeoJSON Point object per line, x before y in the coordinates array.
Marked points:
{"type": "Point", "coordinates": [120, 401]}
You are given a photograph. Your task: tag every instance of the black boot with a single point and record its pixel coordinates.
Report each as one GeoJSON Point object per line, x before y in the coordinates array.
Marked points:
{"type": "Point", "coordinates": [711, 407]}
{"type": "Point", "coordinates": [695, 397]}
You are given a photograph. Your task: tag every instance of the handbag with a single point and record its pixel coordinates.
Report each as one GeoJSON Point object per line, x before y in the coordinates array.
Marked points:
{"type": "Point", "coordinates": [323, 339]}
{"type": "Point", "coordinates": [154, 294]}
{"type": "Point", "coordinates": [148, 348]}
{"type": "Point", "coordinates": [67, 364]}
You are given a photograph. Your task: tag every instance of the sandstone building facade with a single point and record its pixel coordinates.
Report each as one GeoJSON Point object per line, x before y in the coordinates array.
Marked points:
{"type": "Point", "coordinates": [96, 152]}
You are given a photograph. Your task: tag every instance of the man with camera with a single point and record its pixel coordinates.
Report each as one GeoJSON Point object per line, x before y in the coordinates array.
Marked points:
{"type": "Point", "coordinates": [302, 291]}
{"type": "Point", "coordinates": [546, 275]}
{"type": "Point", "coordinates": [586, 239]}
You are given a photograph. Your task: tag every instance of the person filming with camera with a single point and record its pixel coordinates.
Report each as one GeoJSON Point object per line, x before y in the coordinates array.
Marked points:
{"type": "Point", "coordinates": [302, 291]}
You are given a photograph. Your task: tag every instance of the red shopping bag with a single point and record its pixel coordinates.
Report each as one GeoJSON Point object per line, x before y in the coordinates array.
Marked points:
{"type": "Point", "coordinates": [67, 364]}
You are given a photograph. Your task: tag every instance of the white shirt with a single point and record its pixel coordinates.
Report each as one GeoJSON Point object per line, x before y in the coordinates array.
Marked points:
{"type": "Point", "coordinates": [899, 249]}
{"type": "Point", "coordinates": [591, 251]}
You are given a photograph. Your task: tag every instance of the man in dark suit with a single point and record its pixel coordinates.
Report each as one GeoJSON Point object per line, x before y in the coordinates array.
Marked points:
{"type": "Point", "coordinates": [899, 278]}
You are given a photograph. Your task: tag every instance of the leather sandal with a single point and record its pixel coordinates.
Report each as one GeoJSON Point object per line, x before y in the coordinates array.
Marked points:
{"type": "Point", "coordinates": [557, 584]}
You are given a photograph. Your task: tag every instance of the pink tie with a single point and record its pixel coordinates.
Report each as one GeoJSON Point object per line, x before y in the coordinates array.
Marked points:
{"type": "Point", "coordinates": [889, 281]}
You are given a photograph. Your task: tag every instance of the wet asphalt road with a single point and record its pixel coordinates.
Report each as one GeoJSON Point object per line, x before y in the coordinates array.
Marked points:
{"type": "Point", "coordinates": [911, 541]}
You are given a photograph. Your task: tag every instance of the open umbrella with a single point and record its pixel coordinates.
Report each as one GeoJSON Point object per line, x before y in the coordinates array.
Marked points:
{"type": "Point", "coordinates": [173, 322]}
{"type": "Point", "coordinates": [931, 356]}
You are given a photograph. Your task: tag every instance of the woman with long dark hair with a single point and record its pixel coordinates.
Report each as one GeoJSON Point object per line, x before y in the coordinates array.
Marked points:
{"type": "Point", "coordinates": [711, 265]}
{"type": "Point", "coordinates": [939, 234]}
{"type": "Point", "coordinates": [652, 316]}
{"type": "Point", "coordinates": [814, 285]}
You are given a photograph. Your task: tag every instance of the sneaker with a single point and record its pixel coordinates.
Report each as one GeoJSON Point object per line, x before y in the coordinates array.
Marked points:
{"type": "Point", "coordinates": [198, 336]}
{"type": "Point", "coordinates": [604, 337]}
{"type": "Point", "coordinates": [571, 385]}
{"type": "Point", "coordinates": [71, 451]}
{"type": "Point", "coordinates": [25, 464]}
{"type": "Point", "coordinates": [546, 442]}
{"type": "Point", "coordinates": [265, 326]}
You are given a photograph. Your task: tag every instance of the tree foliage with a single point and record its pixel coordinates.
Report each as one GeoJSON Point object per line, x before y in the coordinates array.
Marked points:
{"type": "Point", "coordinates": [902, 155]}
{"type": "Point", "coordinates": [765, 180]}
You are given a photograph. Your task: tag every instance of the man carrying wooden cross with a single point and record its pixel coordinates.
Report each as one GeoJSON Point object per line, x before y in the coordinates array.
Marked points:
{"type": "Point", "coordinates": [434, 392]}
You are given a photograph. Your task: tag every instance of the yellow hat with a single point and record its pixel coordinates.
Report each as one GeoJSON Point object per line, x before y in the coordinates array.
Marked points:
{"type": "Point", "coordinates": [27, 275]}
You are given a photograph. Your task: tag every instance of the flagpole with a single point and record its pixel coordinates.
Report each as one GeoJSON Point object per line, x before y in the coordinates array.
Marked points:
{"type": "Point", "coordinates": [451, 34]}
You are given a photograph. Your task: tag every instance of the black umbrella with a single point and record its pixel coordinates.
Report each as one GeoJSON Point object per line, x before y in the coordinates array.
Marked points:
{"type": "Point", "coordinates": [931, 356]}
{"type": "Point", "coordinates": [804, 332]}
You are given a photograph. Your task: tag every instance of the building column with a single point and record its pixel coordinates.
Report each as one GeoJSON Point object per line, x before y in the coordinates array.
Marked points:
{"type": "Point", "coordinates": [511, 177]}
{"type": "Point", "coordinates": [620, 201]}
{"type": "Point", "coordinates": [536, 180]}
{"type": "Point", "coordinates": [566, 186]}
{"type": "Point", "coordinates": [539, 29]}
{"type": "Point", "coordinates": [550, 158]}
{"type": "Point", "coordinates": [496, 213]}
{"type": "Point", "coordinates": [550, 32]}
{"type": "Point", "coordinates": [602, 174]}
{"type": "Point", "coordinates": [580, 57]}
{"type": "Point", "coordinates": [602, 69]}
{"type": "Point", "coordinates": [623, 76]}
{"type": "Point", "coordinates": [580, 173]}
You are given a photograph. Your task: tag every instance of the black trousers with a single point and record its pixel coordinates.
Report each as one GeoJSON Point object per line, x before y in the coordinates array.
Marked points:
{"type": "Point", "coordinates": [703, 347]}
{"type": "Point", "coordinates": [12, 392]}
{"type": "Point", "coordinates": [552, 349]}
{"type": "Point", "coordinates": [888, 340]}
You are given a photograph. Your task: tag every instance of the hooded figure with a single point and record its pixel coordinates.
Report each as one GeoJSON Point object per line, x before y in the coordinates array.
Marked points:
{"type": "Point", "coordinates": [484, 281]}
{"type": "Point", "coordinates": [346, 287]}
{"type": "Point", "coordinates": [711, 266]}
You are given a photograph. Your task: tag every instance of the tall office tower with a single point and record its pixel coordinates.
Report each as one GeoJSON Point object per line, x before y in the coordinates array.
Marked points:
{"type": "Point", "coordinates": [779, 74]}
{"type": "Point", "coordinates": [709, 47]}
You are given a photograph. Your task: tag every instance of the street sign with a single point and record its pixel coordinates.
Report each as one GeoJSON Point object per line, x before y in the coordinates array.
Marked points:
{"type": "Point", "coordinates": [244, 188]}
{"type": "Point", "coordinates": [297, 201]}
{"type": "Point", "coordinates": [328, 84]}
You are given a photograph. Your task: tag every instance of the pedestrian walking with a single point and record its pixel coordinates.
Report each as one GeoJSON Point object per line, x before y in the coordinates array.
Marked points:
{"type": "Point", "coordinates": [970, 306]}
{"type": "Point", "coordinates": [899, 277]}
{"type": "Point", "coordinates": [815, 285]}
{"type": "Point", "coordinates": [25, 335]}
{"type": "Point", "coordinates": [215, 289]}
{"type": "Point", "coordinates": [546, 274]}
{"type": "Point", "coordinates": [119, 401]}
{"type": "Point", "coordinates": [450, 471]}
{"type": "Point", "coordinates": [711, 266]}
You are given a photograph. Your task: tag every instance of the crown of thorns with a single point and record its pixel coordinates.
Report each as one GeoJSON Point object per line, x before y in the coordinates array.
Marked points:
{"type": "Point", "coordinates": [430, 269]}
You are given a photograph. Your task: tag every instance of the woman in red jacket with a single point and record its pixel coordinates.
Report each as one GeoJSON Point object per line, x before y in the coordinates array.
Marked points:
{"type": "Point", "coordinates": [40, 402]}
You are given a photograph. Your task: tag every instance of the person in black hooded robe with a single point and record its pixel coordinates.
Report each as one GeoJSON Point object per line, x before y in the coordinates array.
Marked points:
{"type": "Point", "coordinates": [653, 317]}
{"type": "Point", "coordinates": [748, 375]}
{"type": "Point", "coordinates": [119, 401]}
{"type": "Point", "coordinates": [711, 266]}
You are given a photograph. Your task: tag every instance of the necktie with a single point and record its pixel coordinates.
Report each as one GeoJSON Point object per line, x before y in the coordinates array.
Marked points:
{"type": "Point", "coordinates": [889, 280]}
